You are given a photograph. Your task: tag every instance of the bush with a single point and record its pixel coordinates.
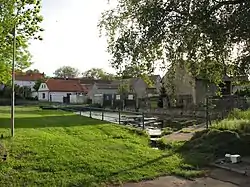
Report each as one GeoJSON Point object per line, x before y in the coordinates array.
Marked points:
{"type": "Point", "coordinates": [238, 114]}
{"type": "Point", "coordinates": [237, 125]}
{"type": "Point", "coordinates": [217, 143]}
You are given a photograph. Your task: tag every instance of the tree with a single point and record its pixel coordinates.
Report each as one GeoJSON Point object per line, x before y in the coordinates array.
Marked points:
{"type": "Point", "coordinates": [67, 72]}
{"type": "Point", "coordinates": [124, 88]}
{"type": "Point", "coordinates": [37, 84]}
{"type": "Point", "coordinates": [33, 71]}
{"type": "Point", "coordinates": [163, 94]}
{"type": "Point", "coordinates": [98, 73]}
{"type": "Point", "coordinates": [25, 17]}
{"type": "Point", "coordinates": [200, 34]}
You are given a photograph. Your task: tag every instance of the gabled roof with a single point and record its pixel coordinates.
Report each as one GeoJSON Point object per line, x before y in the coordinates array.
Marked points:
{"type": "Point", "coordinates": [106, 86]}
{"type": "Point", "coordinates": [28, 76]}
{"type": "Point", "coordinates": [130, 81]}
{"type": "Point", "coordinates": [58, 85]}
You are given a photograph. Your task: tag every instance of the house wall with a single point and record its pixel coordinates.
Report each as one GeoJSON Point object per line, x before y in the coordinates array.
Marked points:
{"type": "Point", "coordinates": [140, 88]}
{"type": "Point", "coordinates": [77, 99]}
{"type": "Point", "coordinates": [95, 91]}
{"type": "Point", "coordinates": [203, 90]}
{"type": "Point", "coordinates": [29, 84]}
{"type": "Point", "coordinates": [53, 96]}
{"type": "Point", "coordinates": [183, 82]}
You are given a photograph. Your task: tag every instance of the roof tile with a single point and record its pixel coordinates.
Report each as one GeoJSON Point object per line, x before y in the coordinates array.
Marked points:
{"type": "Point", "coordinates": [58, 85]}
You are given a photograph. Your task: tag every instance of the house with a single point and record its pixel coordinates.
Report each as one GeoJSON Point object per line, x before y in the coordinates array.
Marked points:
{"type": "Point", "coordinates": [60, 90]}
{"type": "Point", "coordinates": [192, 90]}
{"type": "Point", "coordinates": [99, 90]}
{"type": "Point", "coordinates": [28, 80]}
{"type": "Point", "coordinates": [136, 85]}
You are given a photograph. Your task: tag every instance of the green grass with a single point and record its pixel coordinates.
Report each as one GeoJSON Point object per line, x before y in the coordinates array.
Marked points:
{"type": "Point", "coordinates": [55, 148]}
{"type": "Point", "coordinates": [238, 121]}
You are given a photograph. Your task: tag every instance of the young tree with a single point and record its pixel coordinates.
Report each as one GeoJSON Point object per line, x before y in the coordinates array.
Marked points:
{"type": "Point", "coordinates": [23, 18]}
{"type": "Point", "coordinates": [67, 72]}
{"type": "Point", "coordinates": [201, 34]}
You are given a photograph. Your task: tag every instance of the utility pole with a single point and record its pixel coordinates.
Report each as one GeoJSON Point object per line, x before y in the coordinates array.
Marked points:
{"type": "Point", "coordinates": [13, 84]}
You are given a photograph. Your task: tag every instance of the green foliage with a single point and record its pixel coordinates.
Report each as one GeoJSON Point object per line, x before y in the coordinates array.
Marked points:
{"type": "Point", "coordinates": [25, 17]}
{"type": "Point", "coordinates": [30, 71]}
{"type": "Point", "coordinates": [163, 94]}
{"type": "Point", "coordinates": [37, 84]}
{"type": "Point", "coordinates": [243, 92]}
{"type": "Point", "coordinates": [167, 131]}
{"type": "Point", "coordinates": [238, 125]}
{"type": "Point", "coordinates": [66, 72]}
{"type": "Point", "coordinates": [216, 143]}
{"type": "Point", "coordinates": [200, 33]}
{"type": "Point", "coordinates": [124, 87]}
{"type": "Point", "coordinates": [52, 148]}
{"type": "Point", "coordinates": [98, 73]}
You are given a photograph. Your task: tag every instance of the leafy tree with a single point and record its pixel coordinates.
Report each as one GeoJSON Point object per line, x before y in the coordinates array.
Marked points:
{"type": "Point", "coordinates": [24, 18]}
{"type": "Point", "coordinates": [200, 34]}
{"type": "Point", "coordinates": [163, 94]}
{"type": "Point", "coordinates": [33, 71]}
{"type": "Point", "coordinates": [98, 73]}
{"type": "Point", "coordinates": [37, 84]}
{"type": "Point", "coordinates": [67, 72]}
{"type": "Point", "coordinates": [124, 88]}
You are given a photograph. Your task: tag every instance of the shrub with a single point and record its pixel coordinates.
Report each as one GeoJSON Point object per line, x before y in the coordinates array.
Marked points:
{"type": "Point", "coordinates": [237, 125]}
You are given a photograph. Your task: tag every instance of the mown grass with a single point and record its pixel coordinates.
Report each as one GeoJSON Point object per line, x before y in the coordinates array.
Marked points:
{"type": "Point", "coordinates": [55, 148]}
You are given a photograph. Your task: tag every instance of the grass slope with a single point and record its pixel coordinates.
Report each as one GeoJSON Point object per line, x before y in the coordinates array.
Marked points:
{"type": "Point", "coordinates": [54, 148]}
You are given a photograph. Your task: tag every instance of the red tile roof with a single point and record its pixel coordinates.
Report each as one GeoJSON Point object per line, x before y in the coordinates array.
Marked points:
{"type": "Point", "coordinates": [29, 76]}
{"type": "Point", "coordinates": [59, 85]}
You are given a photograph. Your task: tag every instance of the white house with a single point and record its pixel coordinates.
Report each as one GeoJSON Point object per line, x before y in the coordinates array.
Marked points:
{"type": "Point", "coordinates": [58, 90]}
{"type": "Point", "coordinates": [28, 80]}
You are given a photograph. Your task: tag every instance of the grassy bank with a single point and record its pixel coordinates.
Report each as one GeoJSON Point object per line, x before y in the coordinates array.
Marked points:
{"type": "Point", "coordinates": [54, 148]}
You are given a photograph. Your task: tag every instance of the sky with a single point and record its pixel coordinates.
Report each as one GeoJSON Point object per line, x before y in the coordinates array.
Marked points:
{"type": "Point", "coordinates": [71, 36]}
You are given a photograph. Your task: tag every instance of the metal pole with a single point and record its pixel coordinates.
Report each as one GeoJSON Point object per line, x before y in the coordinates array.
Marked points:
{"type": "Point", "coordinates": [13, 84]}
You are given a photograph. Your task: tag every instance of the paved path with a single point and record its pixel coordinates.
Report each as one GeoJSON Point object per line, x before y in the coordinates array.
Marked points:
{"type": "Point", "coordinates": [216, 178]}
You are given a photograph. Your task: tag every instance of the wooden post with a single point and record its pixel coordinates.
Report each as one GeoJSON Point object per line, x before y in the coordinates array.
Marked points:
{"type": "Point", "coordinates": [102, 115]}
{"type": "Point", "coordinates": [143, 125]}
{"type": "Point", "coordinates": [90, 115]}
{"type": "Point", "coordinates": [119, 117]}
{"type": "Point", "coordinates": [207, 112]}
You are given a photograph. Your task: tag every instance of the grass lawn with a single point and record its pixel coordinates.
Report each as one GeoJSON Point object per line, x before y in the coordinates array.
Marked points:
{"type": "Point", "coordinates": [55, 148]}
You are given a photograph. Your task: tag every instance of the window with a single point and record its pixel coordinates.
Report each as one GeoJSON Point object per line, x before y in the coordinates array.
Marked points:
{"type": "Point", "coordinates": [43, 95]}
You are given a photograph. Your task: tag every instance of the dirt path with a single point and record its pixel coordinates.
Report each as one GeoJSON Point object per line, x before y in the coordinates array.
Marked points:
{"type": "Point", "coordinates": [185, 134]}
{"type": "Point", "coordinates": [216, 178]}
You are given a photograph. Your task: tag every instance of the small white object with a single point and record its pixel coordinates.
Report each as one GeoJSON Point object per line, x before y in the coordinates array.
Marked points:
{"type": "Point", "coordinates": [130, 97]}
{"type": "Point", "coordinates": [235, 159]}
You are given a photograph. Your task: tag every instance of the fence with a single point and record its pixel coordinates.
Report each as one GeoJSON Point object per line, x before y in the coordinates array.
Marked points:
{"type": "Point", "coordinates": [218, 108]}
{"type": "Point", "coordinates": [114, 116]}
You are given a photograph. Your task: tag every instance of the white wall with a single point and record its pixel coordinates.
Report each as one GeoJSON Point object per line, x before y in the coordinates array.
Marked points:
{"type": "Point", "coordinates": [94, 91]}
{"type": "Point", "coordinates": [29, 84]}
{"type": "Point", "coordinates": [78, 99]}
{"type": "Point", "coordinates": [40, 96]}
